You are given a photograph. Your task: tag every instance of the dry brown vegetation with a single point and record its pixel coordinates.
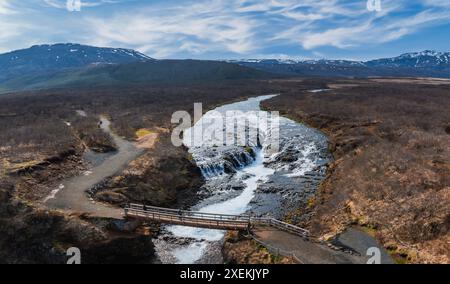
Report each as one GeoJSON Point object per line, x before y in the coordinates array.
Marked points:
{"type": "Point", "coordinates": [33, 125]}
{"type": "Point", "coordinates": [38, 150]}
{"type": "Point", "coordinates": [163, 176]}
{"type": "Point", "coordinates": [239, 249]}
{"type": "Point", "coordinates": [392, 162]}
{"type": "Point", "coordinates": [390, 141]}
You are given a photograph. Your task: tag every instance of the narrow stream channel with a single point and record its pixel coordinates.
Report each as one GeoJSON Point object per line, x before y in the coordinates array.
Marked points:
{"type": "Point", "coordinates": [246, 180]}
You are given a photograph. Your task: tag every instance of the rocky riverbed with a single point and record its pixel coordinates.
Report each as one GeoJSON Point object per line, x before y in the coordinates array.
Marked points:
{"type": "Point", "coordinates": [250, 179]}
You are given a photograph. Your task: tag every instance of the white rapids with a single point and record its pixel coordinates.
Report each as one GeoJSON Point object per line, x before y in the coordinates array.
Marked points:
{"type": "Point", "coordinates": [251, 170]}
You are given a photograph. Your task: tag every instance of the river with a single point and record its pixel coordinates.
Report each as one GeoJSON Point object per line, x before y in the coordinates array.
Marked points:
{"type": "Point", "coordinates": [252, 180]}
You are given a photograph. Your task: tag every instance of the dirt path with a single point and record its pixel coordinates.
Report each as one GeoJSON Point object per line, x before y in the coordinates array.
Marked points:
{"type": "Point", "coordinates": [71, 194]}
{"type": "Point", "coordinates": [307, 251]}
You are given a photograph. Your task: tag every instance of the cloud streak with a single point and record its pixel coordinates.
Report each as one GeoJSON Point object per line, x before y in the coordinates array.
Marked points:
{"type": "Point", "coordinates": [6, 7]}
{"type": "Point", "coordinates": [369, 28]}
{"type": "Point", "coordinates": [220, 28]}
{"type": "Point", "coordinates": [165, 31]}
{"type": "Point", "coordinates": [62, 4]}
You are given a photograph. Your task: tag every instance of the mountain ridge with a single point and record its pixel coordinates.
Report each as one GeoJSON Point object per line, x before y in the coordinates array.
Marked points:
{"type": "Point", "coordinates": [62, 56]}
{"type": "Point", "coordinates": [426, 63]}
{"type": "Point", "coordinates": [443, 57]}
{"type": "Point", "coordinates": [74, 65]}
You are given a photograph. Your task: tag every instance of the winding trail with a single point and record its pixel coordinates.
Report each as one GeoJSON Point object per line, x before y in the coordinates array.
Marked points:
{"type": "Point", "coordinates": [72, 194]}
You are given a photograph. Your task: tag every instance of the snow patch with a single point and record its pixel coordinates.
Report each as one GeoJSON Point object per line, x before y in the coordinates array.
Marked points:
{"type": "Point", "coordinates": [54, 193]}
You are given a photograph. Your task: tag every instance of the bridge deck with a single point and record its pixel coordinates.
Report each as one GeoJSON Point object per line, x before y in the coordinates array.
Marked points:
{"type": "Point", "coordinates": [207, 220]}
{"type": "Point", "coordinates": [191, 222]}
{"type": "Point", "coordinates": [279, 237]}
{"type": "Point", "coordinates": [187, 218]}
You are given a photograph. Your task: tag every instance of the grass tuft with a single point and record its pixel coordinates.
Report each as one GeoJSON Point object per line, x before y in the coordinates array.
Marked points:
{"type": "Point", "coordinates": [143, 132]}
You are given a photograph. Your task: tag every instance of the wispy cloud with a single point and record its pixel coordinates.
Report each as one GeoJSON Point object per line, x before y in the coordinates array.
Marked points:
{"type": "Point", "coordinates": [347, 26]}
{"type": "Point", "coordinates": [220, 28]}
{"type": "Point", "coordinates": [437, 3]}
{"type": "Point", "coordinates": [62, 4]}
{"type": "Point", "coordinates": [235, 26]}
{"type": "Point", "coordinates": [6, 8]}
{"type": "Point", "coordinates": [163, 31]}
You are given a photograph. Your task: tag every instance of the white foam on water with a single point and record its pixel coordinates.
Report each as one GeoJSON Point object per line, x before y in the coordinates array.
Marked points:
{"type": "Point", "coordinates": [319, 90]}
{"type": "Point", "coordinates": [236, 206]}
{"type": "Point", "coordinates": [306, 163]}
{"type": "Point", "coordinates": [258, 174]}
{"type": "Point", "coordinates": [190, 254]}
{"type": "Point", "coordinates": [208, 131]}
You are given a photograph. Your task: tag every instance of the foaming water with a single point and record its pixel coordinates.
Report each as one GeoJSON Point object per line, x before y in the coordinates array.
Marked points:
{"type": "Point", "coordinates": [208, 141]}
{"type": "Point", "coordinates": [241, 163]}
{"type": "Point", "coordinates": [302, 150]}
{"type": "Point", "coordinates": [191, 253]}
{"type": "Point", "coordinates": [257, 173]}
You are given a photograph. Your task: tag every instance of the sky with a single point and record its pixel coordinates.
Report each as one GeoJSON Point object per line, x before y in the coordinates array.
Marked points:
{"type": "Point", "coordinates": [232, 29]}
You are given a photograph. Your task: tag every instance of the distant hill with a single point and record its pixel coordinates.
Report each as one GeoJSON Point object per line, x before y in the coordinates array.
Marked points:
{"type": "Point", "coordinates": [425, 64]}
{"type": "Point", "coordinates": [425, 59]}
{"type": "Point", "coordinates": [152, 72]}
{"type": "Point", "coordinates": [57, 57]}
{"type": "Point", "coordinates": [75, 65]}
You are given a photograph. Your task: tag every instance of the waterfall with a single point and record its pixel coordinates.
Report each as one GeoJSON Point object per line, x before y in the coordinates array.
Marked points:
{"type": "Point", "coordinates": [227, 161]}
{"type": "Point", "coordinates": [268, 181]}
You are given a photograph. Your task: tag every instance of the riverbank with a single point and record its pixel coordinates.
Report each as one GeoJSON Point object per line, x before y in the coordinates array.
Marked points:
{"type": "Point", "coordinates": [39, 152]}
{"type": "Point", "coordinates": [255, 181]}
{"type": "Point", "coordinates": [391, 173]}
{"type": "Point", "coordinates": [372, 174]}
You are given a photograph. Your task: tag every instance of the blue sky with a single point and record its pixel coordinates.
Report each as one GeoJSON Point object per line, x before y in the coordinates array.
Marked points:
{"type": "Point", "coordinates": [233, 29]}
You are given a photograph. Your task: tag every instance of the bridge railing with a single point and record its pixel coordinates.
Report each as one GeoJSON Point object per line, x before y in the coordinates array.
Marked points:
{"type": "Point", "coordinates": [192, 217]}
{"type": "Point", "coordinates": [152, 211]}
{"type": "Point", "coordinates": [277, 251]}
{"type": "Point", "coordinates": [190, 221]}
{"type": "Point", "coordinates": [282, 226]}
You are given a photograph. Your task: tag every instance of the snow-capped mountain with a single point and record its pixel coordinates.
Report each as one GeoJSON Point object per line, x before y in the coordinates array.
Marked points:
{"type": "Point", "coordinates": [426, 63]}
{"type": "Point", "coordinates": [296, 61]}
{"type": "Point", "coordinates": [44, 63]}
{"type": "Point", "coordinates": [56, 57]}
{"type": "Point", "coordinates": [266, 61]}
{"type": "Point", "coordinates": [424, 59]}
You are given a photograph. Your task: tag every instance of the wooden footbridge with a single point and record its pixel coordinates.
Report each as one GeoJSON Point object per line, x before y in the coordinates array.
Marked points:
{"type": "Point", "coordinates": [207, 220]}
